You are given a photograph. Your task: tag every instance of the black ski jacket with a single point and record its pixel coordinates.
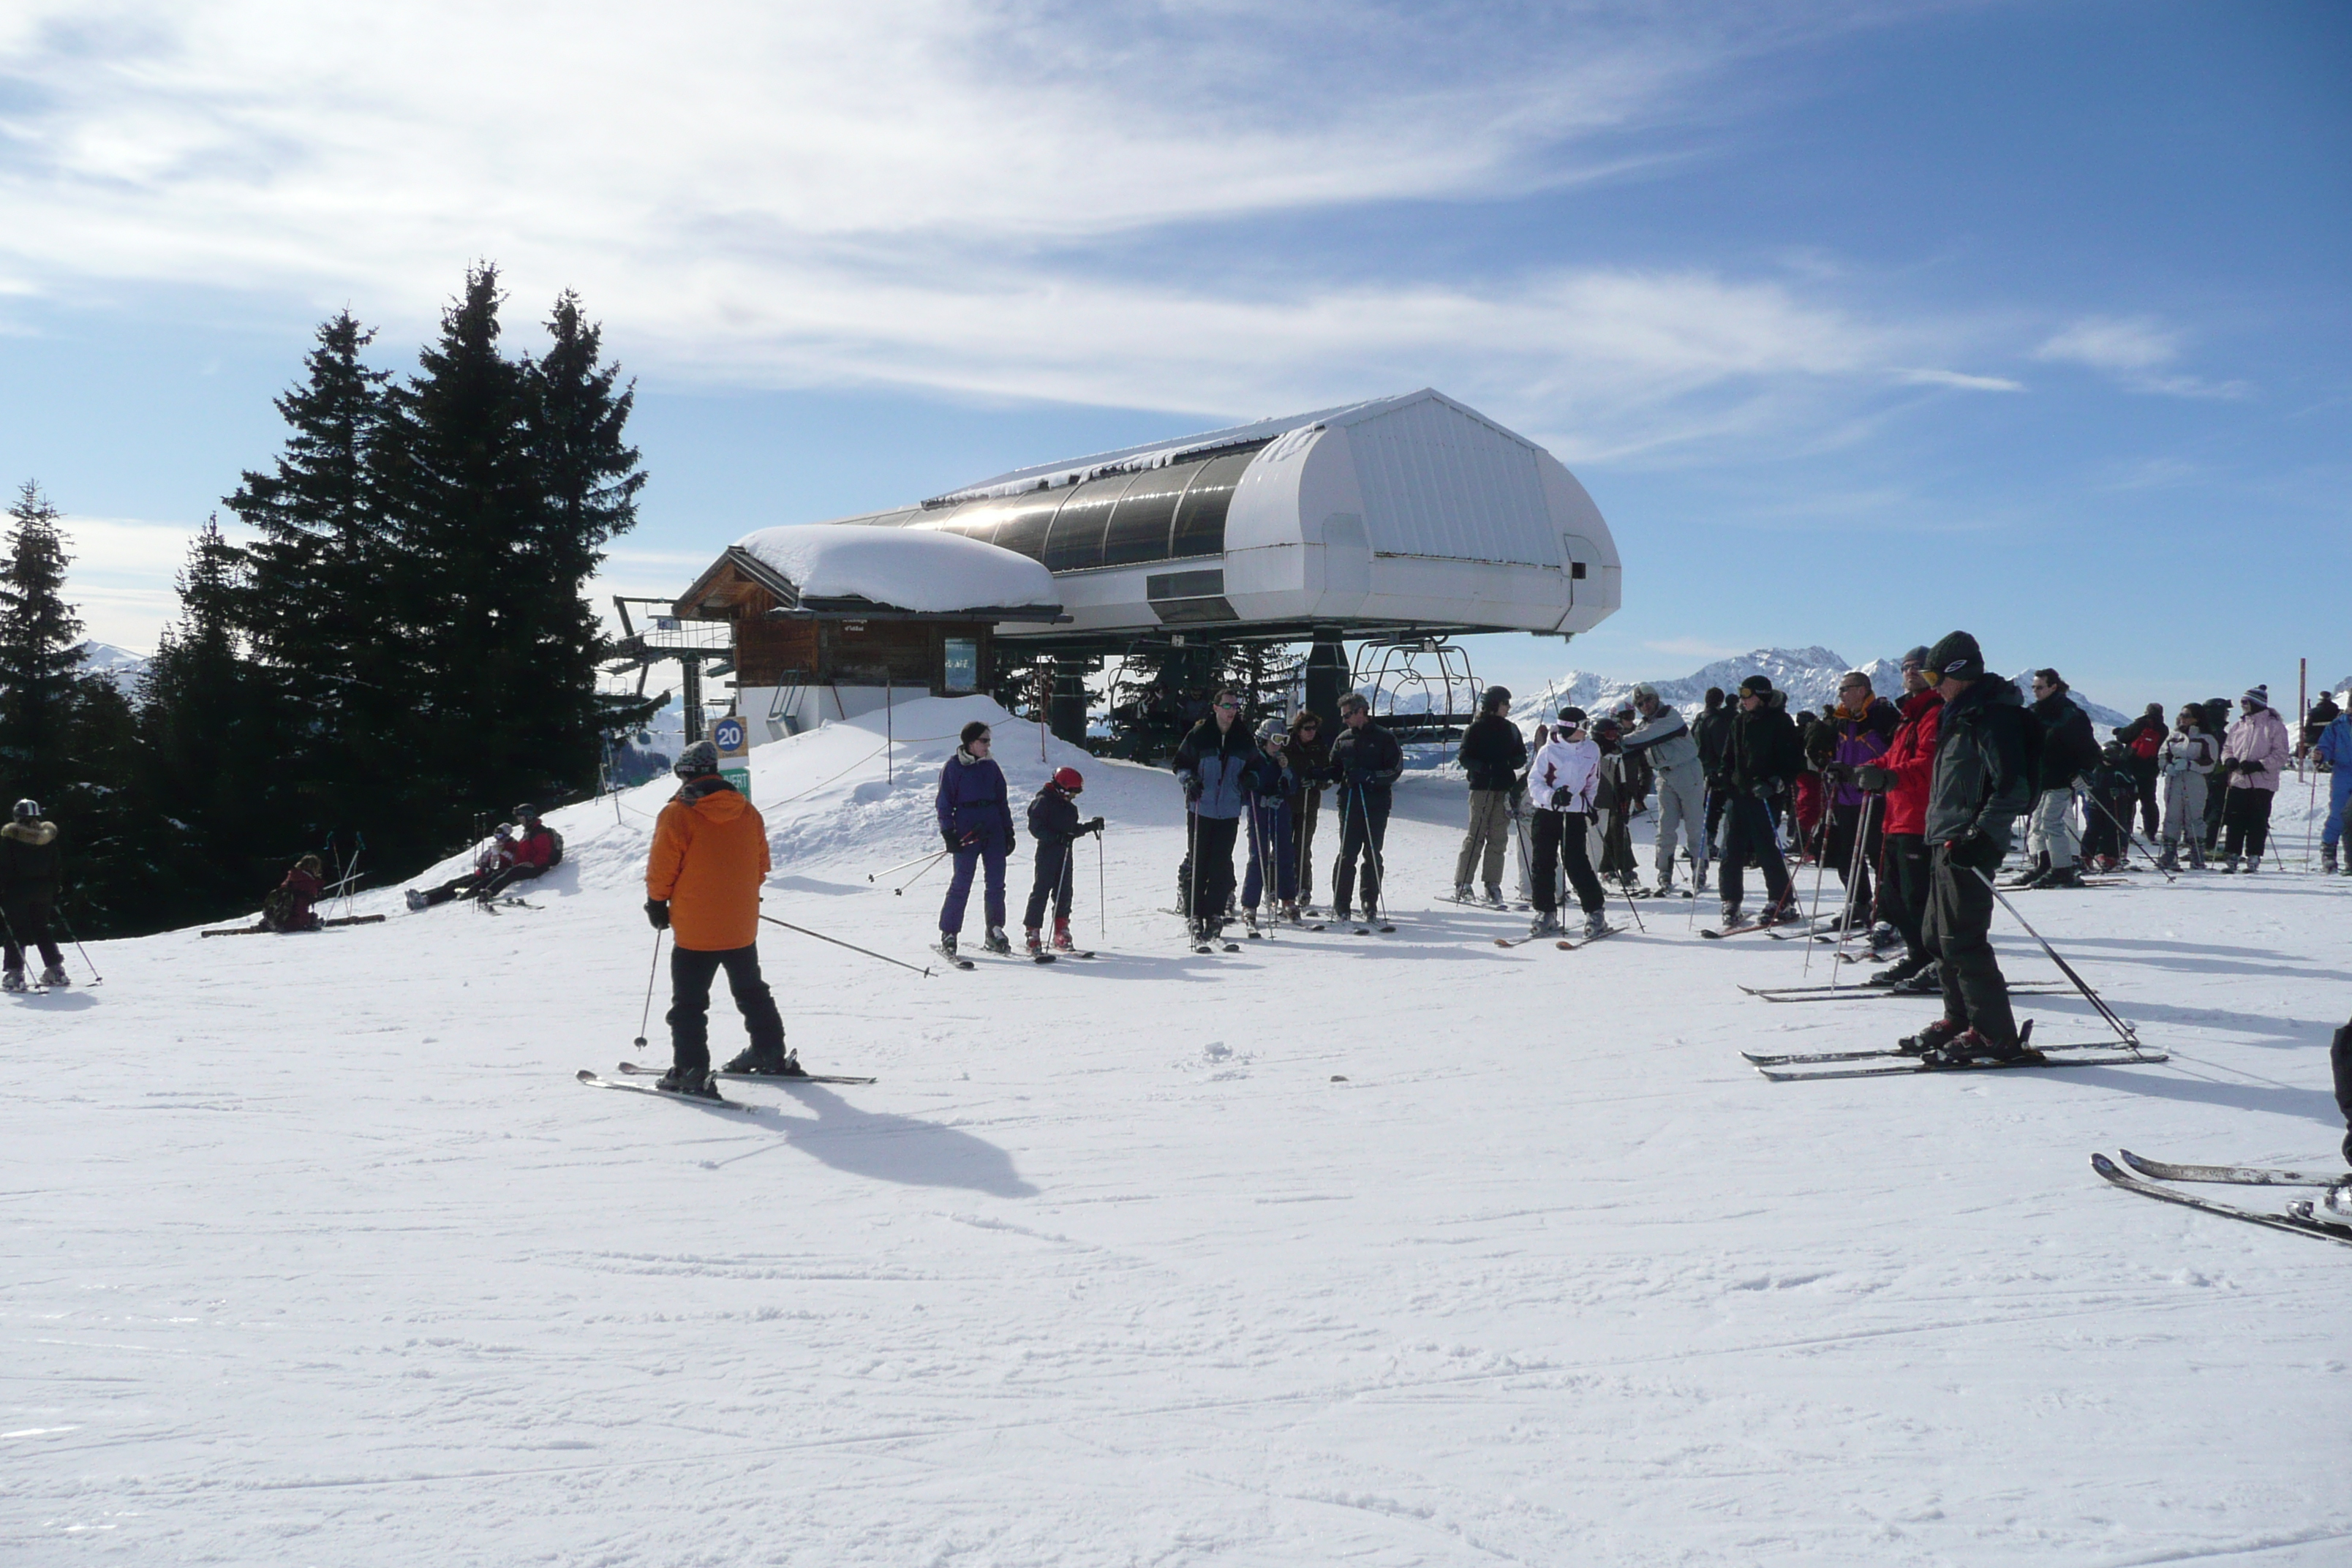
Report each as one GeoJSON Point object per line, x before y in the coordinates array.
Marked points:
{"type": "Point", "coordinates": [31, 866]}
{"type": "Point", "coordinates": [1493, 751]}
{"type": "Point", "coordinates": [1765, 748]}
{"type": "Point", "coordinates": [1712, 730]}
{"type": "Point", "coordinates": [2068, 747]}
{"type": "Point", "coordinates": [1981, 782]}
{"type": "Point", "coordinates": [1368, 759]}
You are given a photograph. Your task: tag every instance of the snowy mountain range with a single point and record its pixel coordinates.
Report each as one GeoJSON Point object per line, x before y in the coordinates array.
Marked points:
{"type": "Point", "coordinates": [1809, 674]}
{"type": "Point", "coordinates": [119, 665]}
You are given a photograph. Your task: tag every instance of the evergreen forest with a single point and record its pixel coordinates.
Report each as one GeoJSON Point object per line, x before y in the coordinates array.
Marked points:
{"type": "Point", "coordinates": [395, 648]}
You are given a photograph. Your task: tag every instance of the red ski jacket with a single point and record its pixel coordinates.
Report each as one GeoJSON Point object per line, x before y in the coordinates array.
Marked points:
{"type": "Point", "coordinates": [1911, 758]}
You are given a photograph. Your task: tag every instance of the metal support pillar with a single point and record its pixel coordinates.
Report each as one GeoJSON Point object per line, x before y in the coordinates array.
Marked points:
{"type": "Point", "coordinates": [1065, 712]}
{"type": "Point", "coordinates": [1326, 677]}
{"type": "Point", "coordinates": [692, 697]}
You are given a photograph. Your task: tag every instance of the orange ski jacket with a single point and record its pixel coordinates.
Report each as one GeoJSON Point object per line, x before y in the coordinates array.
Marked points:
{"type": "Point", "coordinates": [709, 858]}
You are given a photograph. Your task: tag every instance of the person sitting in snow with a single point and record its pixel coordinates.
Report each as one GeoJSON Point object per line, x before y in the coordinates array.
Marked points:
{"type": "Point", "coordinates": [516, 854]}
{"type": "Point", "coordinates": [287, 907]}
{"type": "Point", "coordinates": [1054, 823]}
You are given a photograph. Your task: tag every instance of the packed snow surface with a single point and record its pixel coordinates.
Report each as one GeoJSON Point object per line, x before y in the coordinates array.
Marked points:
{"type": "Point", "coordinates": [906, 568]}
{"type": "Point", "coordinates": [1379, 1250]}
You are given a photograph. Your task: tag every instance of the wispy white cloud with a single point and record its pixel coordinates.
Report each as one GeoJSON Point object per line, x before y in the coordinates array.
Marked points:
{"type": "Point", "coordinates": [998, 197]}
{"type": "Point", "coordinates": [2135, 350]}
{"type": "Point", "coordinates": [1959, 380]}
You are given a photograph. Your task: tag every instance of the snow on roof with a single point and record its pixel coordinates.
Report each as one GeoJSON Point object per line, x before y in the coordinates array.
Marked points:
{"type": "Point", "coordinates": [1158, 454]}
{"type": "Point", "coordinates": [903, 568]}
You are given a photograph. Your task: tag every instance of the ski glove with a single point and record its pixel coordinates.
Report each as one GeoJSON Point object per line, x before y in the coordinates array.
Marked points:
{"type": "Point", "coordinates": [1874, 778]}
{"type": "Point", "coordinates": [953, 842]}
{"type": "Point", "coordinates": [1836, 773]}
{"type": "Point", "coordinates": [658, 914]}
{"type": "Point", "coordinates": [1093, 824]}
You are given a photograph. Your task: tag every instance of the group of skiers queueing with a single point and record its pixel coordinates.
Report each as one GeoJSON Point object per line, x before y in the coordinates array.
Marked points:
{"type": "Point", "coordinates": [30, 873]}
{"type": "Point", "coordinates": [975, 816]}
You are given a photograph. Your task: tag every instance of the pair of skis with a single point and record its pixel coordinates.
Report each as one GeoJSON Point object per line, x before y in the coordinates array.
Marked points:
{"type": "Point", "coordinates": [1830, 1064]}
{"type": "Point", "coordinates": [2329, 1217]}
{"type": "Point", "coordinates": [1859, 992]}
{"type": "Point", "coordinates": [257, 930]}
{"type": "Point", "coordinates": [637, 1069]}
{"type": "Point", "coordinates": [960, 962]}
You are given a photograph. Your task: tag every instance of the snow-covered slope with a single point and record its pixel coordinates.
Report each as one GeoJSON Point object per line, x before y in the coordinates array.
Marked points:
{"type": "Point", "coordinates": [1402, 1250]}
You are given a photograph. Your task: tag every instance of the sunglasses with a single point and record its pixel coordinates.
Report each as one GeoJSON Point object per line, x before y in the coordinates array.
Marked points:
{"type": "Point", "coordinates": [1229, 707]}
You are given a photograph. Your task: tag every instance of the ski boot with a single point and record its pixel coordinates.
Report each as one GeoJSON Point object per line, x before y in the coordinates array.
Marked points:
{"type": "Point", "coordinates": [1035, 939]}
{"type": "Point", "coordinates": [767, 1064]}
{"type": "Point", "coordinates": [1291, 912]}
{"type": "Point", "coordinates": [2327, 859]}
{"type": "Point", "coordinates": [1494, 895]}
{"type": "Point", "coordinates": [1461, 894]}
{"type": "Point", "coordinates": [12, 979]}
{"type": "Point", "coordinates": [1062, 939]}
{"type": "Point", "coordinates": [1935, 1036]}
{"type": "Point", "coordinates": [1927, 981]}
{"type": "Point", "coordinates": [2230, 866]}
{"type": "Point", "coordinates": [1596, 925]}
{"type": "Point", "coordinates": [55, 974]}
{"type": "Point", "coordinates": [1970, 1048]}
{"type": "Point", "coordinates": [694, 1085]}
{"type": "Point", "coordinates": [997, 943]}
{"type": "Point", "coordinates": [2033, 877]}
{"type": "Point", "coordinates": [2253, 864]}
{"type": "Point", "coordinates": [2170, 859]}
{"type": "Point", "coordinates": [1783, 912]}
{"type": "Point", "coordinates": [416, 899]}
{"type": "Point", "coordinates": [1897, 972]}
{"type": "Point", "coordinates": [1727, 917]}
{"type": "Point", "coordinates": [2068, 875]}
{"type": "Point", "coordinates": [1883, 939]}
{"type": "Point", "coordinates": [1545, 923]}
{"type": "Point", "coordinates": [948, 942]}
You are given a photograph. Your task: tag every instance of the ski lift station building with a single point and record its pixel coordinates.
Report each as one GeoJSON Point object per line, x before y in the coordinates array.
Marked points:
{"type": "Point", "coordinates": [1407, 519]}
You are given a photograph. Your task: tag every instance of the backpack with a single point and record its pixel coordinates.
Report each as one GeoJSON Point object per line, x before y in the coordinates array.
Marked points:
{"type": "Point", "coordinates": [554, 848]}
{"type": "Point", "coordinates": [280, 908]}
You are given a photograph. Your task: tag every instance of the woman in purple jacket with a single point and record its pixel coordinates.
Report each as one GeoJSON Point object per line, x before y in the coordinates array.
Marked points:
{"type": "Point", "coordinates": [976, 819]}
{"type": "Point", "coordinates": [1864, 722]}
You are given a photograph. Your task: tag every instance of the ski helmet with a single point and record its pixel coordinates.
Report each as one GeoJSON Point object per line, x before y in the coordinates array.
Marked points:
{"type": "Point", "coordinates": [26, 810]}
{"type": "Point", "coordinates": [699, 761]}
{"type": "Point", "coordinates": [1069, 780]}
{"type": "Point", "coordinates": [526, 813]}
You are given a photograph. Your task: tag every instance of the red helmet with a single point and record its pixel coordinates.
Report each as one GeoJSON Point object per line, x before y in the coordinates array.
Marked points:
{"type": "Point", "coordinates": [1068, 779]}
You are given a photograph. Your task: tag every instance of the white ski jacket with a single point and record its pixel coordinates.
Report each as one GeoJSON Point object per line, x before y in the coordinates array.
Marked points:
{"type": "Point", "coordinates": [1572, 766]}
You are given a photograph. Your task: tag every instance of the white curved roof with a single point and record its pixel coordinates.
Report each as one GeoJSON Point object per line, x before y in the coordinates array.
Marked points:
{"type": "Point", "coordinates": [908, 569]}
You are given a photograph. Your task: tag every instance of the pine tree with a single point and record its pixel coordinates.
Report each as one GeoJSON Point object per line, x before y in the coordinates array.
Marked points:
{"type": "Point", "coordinates": [589, 480]}
{"type": "Point", "coordinates": [210, 760]}
{"type": "Point", "coordinates": [306, 602]}
{"type": "Point", "coordinates": [40, 649]}
{"type": "Point", "coordinates": [456, 472]}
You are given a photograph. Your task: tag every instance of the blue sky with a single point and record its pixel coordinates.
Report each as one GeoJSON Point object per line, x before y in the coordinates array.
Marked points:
{"type": "Point", "coordinates": [1859, 321]}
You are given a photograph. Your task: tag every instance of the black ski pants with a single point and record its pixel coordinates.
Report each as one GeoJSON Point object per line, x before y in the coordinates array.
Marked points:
{"type": "Point", "coordinates": [2340, 1057]}
{"type": "Point", "coordinates": [1363, 829]}
{"type": "Point", "coordinates": [2144, 782]}
{"type": "Point", "coordinates": [1212, 866]}
{"type": "Point", "coordinates": [28, 926]}
{"type": "Point", "coordinates": [1308, 807]}
{"type": "Point", "coordinates": [1749, 836]}
{"type": "Point", "coordinates": [482, 885]}
{"type": "Point", "coordinates": [1958, 934]}
{"type": "Point", "coordinates": [2247, 814]}
{"type": "Point", "coordinates": [1560, 838]}
{"type": "Point", "coordinates": [1904, 874]}
{"type": "Point", "coordinates": [1051, 882]}
{"type": "Point", "coordinates": [691, 970]}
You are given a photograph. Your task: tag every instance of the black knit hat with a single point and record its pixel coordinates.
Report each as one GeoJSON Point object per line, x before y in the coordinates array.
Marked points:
{"type": "Point", "coordinates": [1572, 717]}
{"type": "Point", "coordinates": [1756, 686]}
{"type": "Point", "coordinates": [1956, 657]}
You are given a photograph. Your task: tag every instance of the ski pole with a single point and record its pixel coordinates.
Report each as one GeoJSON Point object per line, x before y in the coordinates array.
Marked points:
{"type": "Point", "coordinates": [1634, 907]}
{"type": "Point", "coordinates": [2115, 1023]}
{"type": "Point", "coordinates": [1102, 927]}
{"type": "Point", "coordinates": [1820, 866]}
{"type": "Point", "coordinates": [850, 945]}
{"type": "Point", "coordinates": [647, 1011]}
{"type": "Point", "coordinates": [95, 977]}
{"type": "Point", "coordinates": [877, 875]}
{"type": "Point", "coordinates": [919, 876]}
{"type": "Point", "coordinates": [1262, 864]}
{"type": "Point", "coordinates": [2130, 843]}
